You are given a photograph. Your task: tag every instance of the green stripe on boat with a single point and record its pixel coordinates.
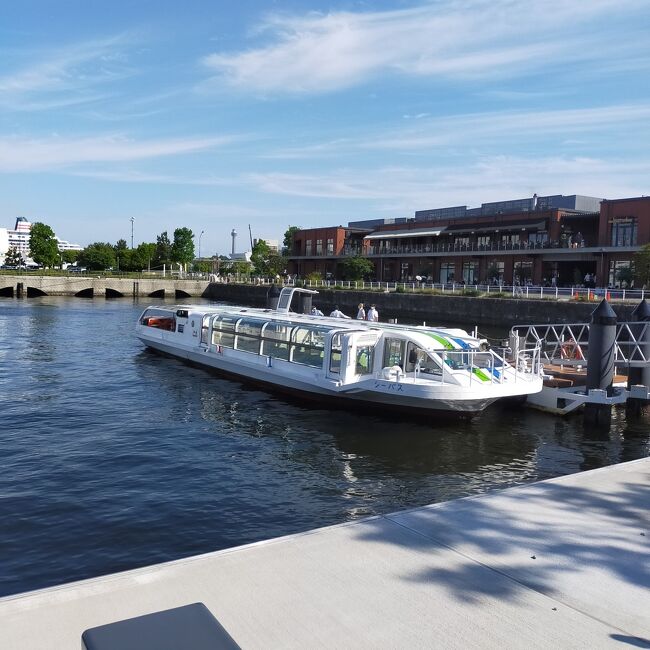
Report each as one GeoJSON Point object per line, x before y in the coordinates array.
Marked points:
{"type": "Point", "coordinates": [480, 374]}
{"type": "Point", "coordinates": [446, 343]}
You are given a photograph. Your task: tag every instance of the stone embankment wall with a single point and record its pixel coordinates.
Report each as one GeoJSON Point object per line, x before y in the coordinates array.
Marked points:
{"type": "Point", "coordinates": [416, 307]}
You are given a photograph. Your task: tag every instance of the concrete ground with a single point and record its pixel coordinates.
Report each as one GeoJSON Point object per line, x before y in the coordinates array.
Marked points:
{"type": "Point", "coordinates": [563, 563]}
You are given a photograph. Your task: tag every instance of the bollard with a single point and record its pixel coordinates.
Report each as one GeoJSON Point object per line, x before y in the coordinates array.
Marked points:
{"type": "Point", "coordinates": [600, 360]}
{"type": "Point", "coordinates": [272, 297]}
{"type": "Point", "coordinates": [305, 303]}
{"type": "Point", "coordinates": [640, 375]}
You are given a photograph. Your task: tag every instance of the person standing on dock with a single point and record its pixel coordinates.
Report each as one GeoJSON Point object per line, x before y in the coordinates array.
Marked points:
{"type": "Point", "coordinates": [361, 314]}
{"type": "Point", "coordinates": [337, 313]}
{"type": "Point", "coordinates": [373, 314]}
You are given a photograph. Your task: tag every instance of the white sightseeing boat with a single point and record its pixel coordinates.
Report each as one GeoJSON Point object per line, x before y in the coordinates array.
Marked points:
{"type": "Point", "coordinates": [411, 368]}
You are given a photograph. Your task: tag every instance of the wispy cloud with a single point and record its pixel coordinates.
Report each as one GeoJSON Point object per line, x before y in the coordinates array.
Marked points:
{"type": "Point", "coordinates": [21, 154]}
{"type": "Point", "coordinates": [319, 53]}
{"type": "Point", "coordinates": [401, 190]}
{"type": "Point", "coordinates": [65, 76]}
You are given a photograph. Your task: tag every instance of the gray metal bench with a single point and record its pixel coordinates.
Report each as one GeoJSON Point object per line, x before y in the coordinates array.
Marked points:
{"type": "Point", "coordinates": [182, 628]}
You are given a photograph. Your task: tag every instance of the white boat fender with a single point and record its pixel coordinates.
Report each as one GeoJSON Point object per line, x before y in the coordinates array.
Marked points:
{"type": "Point", "coordinates": [391, 372]}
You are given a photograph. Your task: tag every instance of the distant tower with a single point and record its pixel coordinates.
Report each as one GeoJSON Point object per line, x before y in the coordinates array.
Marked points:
{"type": "Point", "coordinates": [233, 234]}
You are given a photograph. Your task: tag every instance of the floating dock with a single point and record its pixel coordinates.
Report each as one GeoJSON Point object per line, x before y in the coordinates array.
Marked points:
{"type": "Point", "coordinates": [563, 563]}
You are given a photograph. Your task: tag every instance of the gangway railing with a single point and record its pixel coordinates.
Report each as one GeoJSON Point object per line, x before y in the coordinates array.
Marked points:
{"type": "Point", "coordinates": [568, 344]}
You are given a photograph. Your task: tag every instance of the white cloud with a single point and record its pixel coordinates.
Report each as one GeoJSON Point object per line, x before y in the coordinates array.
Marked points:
{"type": "Point", "coordinates": [321, 53]}
{"type": "Point", "coordinates": [65, 76]}
{"type": "Point", "coordinates": [22, 154]}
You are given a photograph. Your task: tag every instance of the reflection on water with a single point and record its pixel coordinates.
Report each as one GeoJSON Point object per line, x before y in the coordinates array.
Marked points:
{"type": "Point", "coordinates": [114, 457]}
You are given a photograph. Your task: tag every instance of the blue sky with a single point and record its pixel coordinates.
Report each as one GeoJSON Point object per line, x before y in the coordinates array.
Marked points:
{"type": "Point", "coordinates": [216, 115]}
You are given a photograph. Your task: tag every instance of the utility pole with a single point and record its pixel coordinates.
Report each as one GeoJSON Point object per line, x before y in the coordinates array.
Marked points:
{"type": "Point", "coordinates": [132, 222]}
{"type": "Point", "coordinates": [201, 235]}
{"type": "Point", "coordinates": [250, 234]}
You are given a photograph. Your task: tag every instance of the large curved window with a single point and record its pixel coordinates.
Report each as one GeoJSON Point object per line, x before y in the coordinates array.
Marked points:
{"type": "Point", "coordinates": [275, 341]}
{"type": "Point", "coordinates": [223, 331]}
{"type": "Point", "coordinates": [308, 345]}
{"type": "Point", "coordinates": [249, 331]}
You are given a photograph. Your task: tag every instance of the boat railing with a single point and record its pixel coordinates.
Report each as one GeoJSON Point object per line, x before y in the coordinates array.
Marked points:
{"type": "Point", "coordinates": [568, 344]}
{"type": "Point", "coordinates": [483, 366]}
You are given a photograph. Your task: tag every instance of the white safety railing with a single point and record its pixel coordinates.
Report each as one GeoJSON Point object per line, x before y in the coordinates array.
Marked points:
{"type": "Point", "coordinates": [568, 344]}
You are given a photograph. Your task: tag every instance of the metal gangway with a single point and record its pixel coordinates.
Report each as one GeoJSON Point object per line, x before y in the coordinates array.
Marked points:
{"type": "Point", "coordinates": [568, 344]}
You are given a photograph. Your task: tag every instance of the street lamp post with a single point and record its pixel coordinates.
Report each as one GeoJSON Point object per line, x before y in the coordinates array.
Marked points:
{"type": "Point", "coordinates": [132, 222]}
{"type": "Point", "coordinates": [201, 235]}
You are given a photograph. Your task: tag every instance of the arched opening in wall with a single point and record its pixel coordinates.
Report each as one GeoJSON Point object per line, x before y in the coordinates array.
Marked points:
{"type": "Point", "coordinates": [33, 292]}
{"type": "Point", "coordinates": [7, 292]}
{"type": "Point", "coordinates": [85, 293]}
{"type": "Point", "coordinates": [112, 293]}
{"type": "Point", "coordinates": [157, 294]}
{"type": "Point", "coordinates": [179, 293]}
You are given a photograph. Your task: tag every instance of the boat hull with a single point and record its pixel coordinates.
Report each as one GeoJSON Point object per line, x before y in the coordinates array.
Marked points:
{"type": "Point", "coordinates": [309, 388]}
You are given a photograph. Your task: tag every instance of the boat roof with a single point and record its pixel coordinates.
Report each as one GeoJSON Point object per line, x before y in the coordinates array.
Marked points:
{"type": "Point", "coordinates": [427, 336]}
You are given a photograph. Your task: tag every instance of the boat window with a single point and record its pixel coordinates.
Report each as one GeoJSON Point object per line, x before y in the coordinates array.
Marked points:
{"type": "Point", "coordinates": [276, 331]}
{"type": "Point", "coordinates": [308, 345]}
{"type": "Point", "coordinates": [159, 319]}
{"type": "Point", "coordinates": [335, 356]}
{"type": "Point", "coordinates": [365, 358]}
{"type": "Point", "coordinates": [205, 328]}
{"type": "Point", "coordinates": [223, 328]}
{"type": "Point", "coordinates": [394, 353]}
{"type": "Point", "coordinates": [248, 334]}
{"type": "Point", "coordinates": [419, 358]}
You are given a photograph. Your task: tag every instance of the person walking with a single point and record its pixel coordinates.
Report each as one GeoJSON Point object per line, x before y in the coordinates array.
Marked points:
{"type": "Point", "coordinates": [373, 314]}
{"type": "Point", "coordinates": [337, 313]}
{"type": "Point", "coordinates": [361, 314]}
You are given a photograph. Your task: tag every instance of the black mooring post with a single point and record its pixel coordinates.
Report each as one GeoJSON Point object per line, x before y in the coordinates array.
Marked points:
{"type": "Point", "coordinates": [639, 375]}
{"type": "Point", "coordinates": [600, 360]}
{"type": "Point", "coordinates": [305, 303]}
{"type": "Point", "coordinates": [272, 297]}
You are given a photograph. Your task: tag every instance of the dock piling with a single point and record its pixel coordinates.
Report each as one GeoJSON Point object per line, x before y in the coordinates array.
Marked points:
{"type": "Point", "coordinates": [600, 361]}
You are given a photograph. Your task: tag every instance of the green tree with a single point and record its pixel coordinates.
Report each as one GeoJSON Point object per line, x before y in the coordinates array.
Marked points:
{"type": "Point", "coordinates": [183, 246]}
{"type": "Point", "coordinates": [642, 267]}
{"type": "Point", "coordinates": [163, 250]}
{"type": "Point", "coordinates": [14, 257]}
{"type": "Point", "coordinates": [287, 243]}
{"type": "Point", "coordinates": [43, 247]}
{"type": "Point", "coordinates": [145, 255]}
{"type": "Point", "coordinates": [98, 256]}
{"type": "Point", "coordinates": [260, 256]}
{"type": "Point", "coordinates": [70, 257]}
{"type": "Point", "coordinates": [121, 245]}
{"type": "Point", "coordinates": [357, 268]}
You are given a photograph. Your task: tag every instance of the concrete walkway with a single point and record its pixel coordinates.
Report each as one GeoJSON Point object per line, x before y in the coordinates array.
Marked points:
{"type": "Point", "coordinates": [563, 563]}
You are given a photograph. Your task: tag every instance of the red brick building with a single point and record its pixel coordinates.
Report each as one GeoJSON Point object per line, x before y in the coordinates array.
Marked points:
{"type": "Point", "coordinates": [541, 245]}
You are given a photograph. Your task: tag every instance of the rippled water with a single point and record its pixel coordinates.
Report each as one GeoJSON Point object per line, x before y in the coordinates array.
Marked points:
{"type": "Point", "coordinates": [113, 457]}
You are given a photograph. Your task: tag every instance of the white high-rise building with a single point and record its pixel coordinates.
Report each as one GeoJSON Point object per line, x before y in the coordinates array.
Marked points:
{"type": "Point", "coordinates": [18, 238]}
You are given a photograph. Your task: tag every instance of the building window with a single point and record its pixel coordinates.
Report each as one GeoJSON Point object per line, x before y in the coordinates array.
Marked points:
{"type": "Point", "coordinates": [523, 272]}
{"type": "Point", "coordinates": [459, 242]}
{"type": "Point", "coordinates": [309, 247]}
{"type": "Point", "coordinates": [470, 272]}
{"type": "Point", "coordinates": [330, 247]}
{"type": "Point", "coordinates": [509, 239]}
{"type": "Point", "coordinates": [621, 273]}
{"type": "Point", "coordinates": [483, 240]}
{"type": "Point", "coordinates": [496, 271]}
{"type": "Point", "coordinates": [624, 232]}
{"type": "Point", "coordinates": [538, 238]}
{"type": "Point", "coordinates": [319, 247]}
{"type": "Point", "coordinates": [447, 270]}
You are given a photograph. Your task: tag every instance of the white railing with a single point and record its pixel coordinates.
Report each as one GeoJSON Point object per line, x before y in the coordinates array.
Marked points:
{"type": "Point", "coordinates": [455, 288]}
{"type": "Point", "coordinates": [525, 364]}
{"type": "Point", "coordinates": [568, 344]}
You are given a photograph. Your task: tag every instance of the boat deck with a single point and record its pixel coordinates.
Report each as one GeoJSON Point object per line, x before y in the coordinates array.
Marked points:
{"type": "Point", "coordinates": [562, 563]}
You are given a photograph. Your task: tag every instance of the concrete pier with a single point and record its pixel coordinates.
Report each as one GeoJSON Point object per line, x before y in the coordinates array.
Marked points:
{"type": "Point", "coordinates": [563, 563]}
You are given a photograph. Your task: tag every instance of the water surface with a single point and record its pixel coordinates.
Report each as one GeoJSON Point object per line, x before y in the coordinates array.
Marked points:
{"type": "Point", "coordinates": [114, 457]}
